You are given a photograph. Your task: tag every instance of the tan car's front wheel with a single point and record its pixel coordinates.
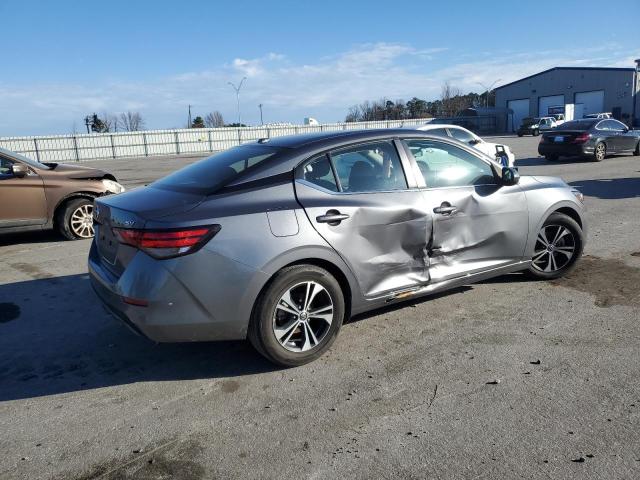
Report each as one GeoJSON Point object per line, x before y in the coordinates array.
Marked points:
{"type": "Point", "coordinates": [75, 219]}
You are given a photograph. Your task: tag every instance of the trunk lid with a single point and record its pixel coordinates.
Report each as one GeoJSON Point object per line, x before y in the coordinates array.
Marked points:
{"type": "Point", "coordinates": [132, 210]}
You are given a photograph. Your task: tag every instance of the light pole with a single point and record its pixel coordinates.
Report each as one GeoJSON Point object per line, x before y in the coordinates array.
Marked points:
{"type": "Point", "coordinates": [488, 90]}
{"type": "Point", "coordinates": [260, 107]}
{"type": "Point", "coordinates": [237, 89]}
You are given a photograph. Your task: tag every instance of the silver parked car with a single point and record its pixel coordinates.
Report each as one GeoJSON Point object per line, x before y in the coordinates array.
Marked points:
{"type": "Point", "coordinates": [282, 240]}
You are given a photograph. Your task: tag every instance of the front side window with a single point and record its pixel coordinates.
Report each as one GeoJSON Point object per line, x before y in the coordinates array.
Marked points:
{"type": "Point", "coordinates": [444, 165]}
{"type": "Point", "coordinates": [616, 125]}
{"type": "Point", "coordinates": [462, 135]}
{"type": "Point", "coordinates": [5, 167]}
{"type": "Point", "coordinates": [372, 167]}
{"type": "Point", "coordinates": [318, 172]}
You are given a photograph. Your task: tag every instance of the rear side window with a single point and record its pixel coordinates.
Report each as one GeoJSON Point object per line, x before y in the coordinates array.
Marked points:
{"type": "Point", "coordinates": [372, 167]}
{"type": "Point", "coordinates": [216, 171]}
{"type": "Point", "coordinates": [444, 165]}
{"type": "Point", "coordinates": [438, 132]}
{"type": "Point", "coordinates": [318, 171]}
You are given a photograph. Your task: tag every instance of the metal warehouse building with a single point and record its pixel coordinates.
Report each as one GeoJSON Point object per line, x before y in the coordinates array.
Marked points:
{"type": "Point", "coordinates": [575, 91]}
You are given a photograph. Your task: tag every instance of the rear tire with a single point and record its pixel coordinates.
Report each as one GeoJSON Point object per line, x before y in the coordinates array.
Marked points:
{"type": "Point", "coordinates": [536, 132]}
{"type": "Point", "coordinates": [558, 246]}
{"type": "Point", "coordinates": [288, 332]}
{"type": "Point", "coordinates": [636, 152]}
{"type": "Point", "coordinates": [74, 220]}
{"type": "Point", "coordinates": [551, 158]}
{"type": "Point", "coordinates": [520, 134]}
{"type": "Point", "coordinates": [599, 152]}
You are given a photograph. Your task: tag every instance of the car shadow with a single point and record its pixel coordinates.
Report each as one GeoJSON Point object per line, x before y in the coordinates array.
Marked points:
{"type": "Point", "coordinates": [35, 236]}
{"type": "Point", "coordinates": [609, 188]}
{"type": "Point", "coordinates": [56, 338]}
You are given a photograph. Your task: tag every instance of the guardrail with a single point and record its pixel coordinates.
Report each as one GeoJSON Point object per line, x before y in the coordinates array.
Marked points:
{"type": "Point", "coordinates": [84, 147]}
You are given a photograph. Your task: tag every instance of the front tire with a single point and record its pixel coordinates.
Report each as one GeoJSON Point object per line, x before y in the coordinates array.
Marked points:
{"type": "Point", "coordinates": [636, 152]}
{"type": "Point", "coordinates": [558, 246]}
{"type": "Point", "coordinates": [599, 152]}
{"type": "Point", "coordinates": [536, 132]}
{"type": "Point", "coordinates": [551, 158]}
{"type": "Point", "coordinates": [298, 316]}
{"type": "Point", "coordinates": [74, 220]}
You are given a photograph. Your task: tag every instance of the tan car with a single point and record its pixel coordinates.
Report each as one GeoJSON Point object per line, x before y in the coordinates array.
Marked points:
{"type": "Point", "coordinates": [38, 196]}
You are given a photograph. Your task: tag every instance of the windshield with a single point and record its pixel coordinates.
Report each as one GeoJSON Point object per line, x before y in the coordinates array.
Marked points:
{"type": "Point", "coordinates": [21, 158]}
{"type": "Point", "coordinates": [207, 175]}
{"type": "Point", "coordinates": [577, 125]}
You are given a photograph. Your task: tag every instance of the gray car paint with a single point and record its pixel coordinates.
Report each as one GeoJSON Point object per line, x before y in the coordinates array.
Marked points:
{"type": "Point", "coordinates": [391, 247]}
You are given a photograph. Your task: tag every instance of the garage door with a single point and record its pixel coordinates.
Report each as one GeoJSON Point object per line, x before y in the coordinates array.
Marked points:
{"type": "Point", "coordinates": [592, 102]}
{"type": "Point", "coordinates": [552, 101]}
{"type": "Point", "coordinates": [520, 110]}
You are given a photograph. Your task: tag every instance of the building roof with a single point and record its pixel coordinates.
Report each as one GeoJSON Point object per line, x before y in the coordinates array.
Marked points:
{"type": "Point", "coordinates": [615, 69]}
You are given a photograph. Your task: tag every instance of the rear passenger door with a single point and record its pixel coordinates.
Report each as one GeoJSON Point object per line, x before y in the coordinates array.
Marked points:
{"type": "Point", "coordinates": [361, 201]}
{"type": "Point", "coordinates": [478, 223]}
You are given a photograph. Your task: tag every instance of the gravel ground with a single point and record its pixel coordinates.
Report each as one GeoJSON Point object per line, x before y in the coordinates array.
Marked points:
{"type": "Point", "coordinates": [504, 379]}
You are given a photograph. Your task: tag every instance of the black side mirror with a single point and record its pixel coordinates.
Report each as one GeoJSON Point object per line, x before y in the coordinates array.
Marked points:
{"type": "Point", "coordinates": [510, 176]}
{"type": "Point", "coordinates": [474, 141]}
{"type": "Point", "coordinates": [19, 170]}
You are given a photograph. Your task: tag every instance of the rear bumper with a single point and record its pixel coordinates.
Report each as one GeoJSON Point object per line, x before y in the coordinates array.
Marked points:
{"type": "Point", "coordinates": [199, 309]}
{"type": "Point", "coordinates": [565, 150]}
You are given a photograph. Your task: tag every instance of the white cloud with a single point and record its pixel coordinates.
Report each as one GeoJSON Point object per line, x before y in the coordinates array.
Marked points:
{"type": "Point", "coordinates": [288, 90]}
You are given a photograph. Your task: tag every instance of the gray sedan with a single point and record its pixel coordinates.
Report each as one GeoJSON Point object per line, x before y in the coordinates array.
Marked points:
{"type": "Point", "coordinates": [282, 240]}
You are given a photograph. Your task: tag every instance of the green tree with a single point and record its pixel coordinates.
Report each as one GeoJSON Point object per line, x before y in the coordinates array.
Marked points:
{"type": "Point", "coordinates": [198, 122]}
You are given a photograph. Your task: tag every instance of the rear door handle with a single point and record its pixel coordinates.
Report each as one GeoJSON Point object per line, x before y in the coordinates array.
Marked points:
{"type": "Point", "coordinates": [332, 217]}
{"type": "Point", "coordinates": [445, 209]}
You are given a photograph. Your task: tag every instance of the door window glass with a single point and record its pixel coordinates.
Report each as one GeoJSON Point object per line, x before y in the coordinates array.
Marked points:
{"type": "Point", "coordinates": [616, 125]}
{"type": "Point", "coordinates": [373, 167]}
{"type": "Point", "coordinates": [318, 171]}
{"type": "Point", "coordinates": [5, 167]}
{"type": "Point", "coordinates": [444, 165]}
{"type": "Point", "coordinates": [438, 132]}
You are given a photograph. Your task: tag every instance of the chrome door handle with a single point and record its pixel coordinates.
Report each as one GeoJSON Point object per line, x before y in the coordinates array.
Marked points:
{"type": "Point", "coordinates": [332, 217]}
{"type": "Point", "coordinates": [445, 209]}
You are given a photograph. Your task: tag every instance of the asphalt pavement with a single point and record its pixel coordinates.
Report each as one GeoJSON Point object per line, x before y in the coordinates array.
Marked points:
{"type": "Point", "coordinates": [509, 378]}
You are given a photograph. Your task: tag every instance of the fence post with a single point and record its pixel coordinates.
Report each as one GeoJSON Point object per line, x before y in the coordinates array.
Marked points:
{"type": "Point", "coordinates": [113, 147]}
{"type": "Point", "coordinates": [177, 143]}
{"type": "Point", "coordinates": [210, 142]}
{"type": "Point", "coordinates": [75, 147]}
{"type": "Point", "coordinates": [144, 141]}
{"type": "Point", "coordinates": [268, 132]}
{"type": "Point", "coordinates": [35, 145]}
{"type": "Point", "coordinates": [297, 130]}
{"type": "Point", "coordinates": [239, 137]}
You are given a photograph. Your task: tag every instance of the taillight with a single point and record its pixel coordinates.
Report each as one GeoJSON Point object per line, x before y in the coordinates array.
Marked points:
{"type": "Point", "coordinates": [167, 243]}
{"type": "Point", "coordinates": [582, 138]}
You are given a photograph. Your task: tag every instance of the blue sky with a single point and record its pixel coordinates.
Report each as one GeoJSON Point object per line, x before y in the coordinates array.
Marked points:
{"type": "Point", "coordinates": [62, 60]}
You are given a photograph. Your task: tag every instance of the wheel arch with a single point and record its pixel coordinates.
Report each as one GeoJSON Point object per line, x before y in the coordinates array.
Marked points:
{"type": "Point", "coordinates": [66, 199]}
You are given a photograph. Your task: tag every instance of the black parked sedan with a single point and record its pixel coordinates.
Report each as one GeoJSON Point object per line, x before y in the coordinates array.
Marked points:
{"type": "Point", "coordinates": [591, 138]}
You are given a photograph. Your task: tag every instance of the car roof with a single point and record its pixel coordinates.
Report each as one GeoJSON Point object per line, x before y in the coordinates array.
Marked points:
{"type": "Point", "coordinates": [317, 139]}
{"type": "Point", "coordinates": [432, 126]}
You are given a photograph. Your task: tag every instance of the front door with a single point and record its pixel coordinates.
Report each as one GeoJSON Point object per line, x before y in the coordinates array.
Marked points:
{"type": "Point", "coordinates": [359, 201]}
{"type": "Point", "coordinates": [22, 200]}
{"type": "Point", "coordinates": [478, 224]}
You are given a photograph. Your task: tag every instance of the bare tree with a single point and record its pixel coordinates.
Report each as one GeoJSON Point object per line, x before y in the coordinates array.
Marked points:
{"type": "Point", "coordinates": [214, 120]}
{"type": "Point", "coordinates": [452, 100]}
{"type": "Point", "coordinates": [111, 122]}
{"type": "Point", "coordinates": [131, 121]}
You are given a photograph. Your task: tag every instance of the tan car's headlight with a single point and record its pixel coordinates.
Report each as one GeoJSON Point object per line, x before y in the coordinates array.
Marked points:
{"type": "Point", "coordinates": [112, 187]}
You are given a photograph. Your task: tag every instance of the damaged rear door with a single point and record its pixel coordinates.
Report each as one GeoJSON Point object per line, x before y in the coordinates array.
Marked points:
{"type": "Point", "coordinates": [359, 201]}
{"type": "Point", "coordinates": [478, 223]}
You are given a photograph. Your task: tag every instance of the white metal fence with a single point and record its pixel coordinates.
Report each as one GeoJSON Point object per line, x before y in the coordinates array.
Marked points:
{"type": "Point", "coordinates": [83, 147]}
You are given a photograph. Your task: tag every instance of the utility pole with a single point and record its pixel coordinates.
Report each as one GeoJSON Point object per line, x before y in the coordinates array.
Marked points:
{"type": "Point", "coordinates": [189, 124]}
{"type": "Point", "coordinates": [260, 107]}
{"type": "Point", "coordinates": [237, 89]}
{"type": "Point", "coordinates": [488, 89]}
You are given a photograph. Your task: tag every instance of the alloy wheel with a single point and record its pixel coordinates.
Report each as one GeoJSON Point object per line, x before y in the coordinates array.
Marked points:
{"type": "Point", "coordinates": [303, 316]}
{"type": "Point", "coordinates": [600, 151]}
{"type": "Point", "coordinates": [81, 221]}
{"type": "Point", "coordinates": [555, 247]}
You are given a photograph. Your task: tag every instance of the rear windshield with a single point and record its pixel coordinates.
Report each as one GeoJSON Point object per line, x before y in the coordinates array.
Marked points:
{"type": "Point", "coordinates": [577, 125]}
{"type": "Point", "coordinates": [208, 175]}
